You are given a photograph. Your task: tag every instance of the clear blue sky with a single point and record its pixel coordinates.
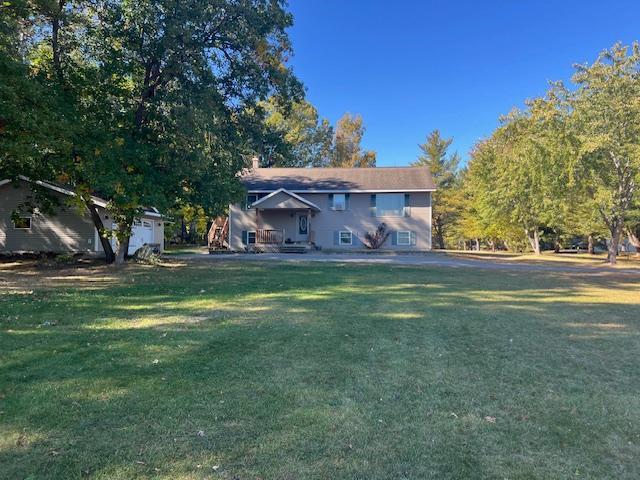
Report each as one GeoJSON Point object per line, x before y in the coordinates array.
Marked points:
{"type": "Point", "coordinates": [412, 66]}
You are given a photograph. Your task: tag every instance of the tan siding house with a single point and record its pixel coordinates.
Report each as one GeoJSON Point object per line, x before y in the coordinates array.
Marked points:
{"type": "Point", "coordinates": [69, 230]}
{"type": "Point", "coordinates": [333, 208]}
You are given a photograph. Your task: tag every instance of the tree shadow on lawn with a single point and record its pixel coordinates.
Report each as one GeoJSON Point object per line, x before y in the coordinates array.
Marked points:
{"type": "Point", "coordinates": [341, 372]}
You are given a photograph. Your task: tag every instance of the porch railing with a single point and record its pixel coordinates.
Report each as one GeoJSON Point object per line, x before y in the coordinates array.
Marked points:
{"type": "Point", "coordinates": [270, 236]}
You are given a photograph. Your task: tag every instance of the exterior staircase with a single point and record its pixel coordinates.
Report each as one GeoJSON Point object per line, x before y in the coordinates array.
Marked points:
{"type": "Point", "coordinates": [218, 237]}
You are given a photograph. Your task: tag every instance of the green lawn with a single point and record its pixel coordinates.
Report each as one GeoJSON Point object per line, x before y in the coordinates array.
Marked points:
{"type": "Point", "coordinates": [282, 371]}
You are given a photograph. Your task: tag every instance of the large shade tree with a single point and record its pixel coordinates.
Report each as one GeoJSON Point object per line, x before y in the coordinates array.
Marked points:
{"type": "Point", "coordinates": [606, 120]}
{"type": "Point", "coordinates": [152, 102]}
{"type": "Point", "coordinates": [295, 135]}
{"type": "Point", "coordinates": [520, 175]}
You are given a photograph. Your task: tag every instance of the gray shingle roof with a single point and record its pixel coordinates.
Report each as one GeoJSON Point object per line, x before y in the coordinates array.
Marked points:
{"type": "Point", "coordinates": [399, 179]}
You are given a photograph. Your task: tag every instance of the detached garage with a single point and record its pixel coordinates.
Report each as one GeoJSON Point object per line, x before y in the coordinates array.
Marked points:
{"type": "Point", "coordinates": [69, 230]}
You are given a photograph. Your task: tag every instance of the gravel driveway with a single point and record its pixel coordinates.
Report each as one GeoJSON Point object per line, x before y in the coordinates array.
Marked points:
{"type": "Point", "coordinates": [434, 259]}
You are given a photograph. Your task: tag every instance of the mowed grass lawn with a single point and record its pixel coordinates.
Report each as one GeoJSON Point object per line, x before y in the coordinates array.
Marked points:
{"type": "Point", "coordinates": [292, 371]}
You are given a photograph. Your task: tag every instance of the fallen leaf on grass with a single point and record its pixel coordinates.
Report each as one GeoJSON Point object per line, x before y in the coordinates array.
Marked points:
{"type": "Point", "coordinates": [490, 419]}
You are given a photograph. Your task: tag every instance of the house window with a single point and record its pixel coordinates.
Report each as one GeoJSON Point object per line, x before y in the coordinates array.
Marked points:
{"type": "Point", "coordinates": [390, 205]}
{"type": "Point", "coordinates": [345, 237]}
{"type": "Point", "coordinates": [251, 199]}
{"type": "Point", "coordinates": [404, 238]}
{"type": "Point", "coordinates": [22, 223]}
{"type": "Point", "coordinates": [251, 237]}
{"type": "Point", "coordinates": [339, 201]}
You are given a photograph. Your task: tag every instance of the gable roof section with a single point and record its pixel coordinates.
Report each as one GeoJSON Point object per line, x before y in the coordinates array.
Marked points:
{"type": "Point", "coordinates": [97, 201]}
{"type": "Point", "coordinates": [374, 179]}
{"type": "Point", "coordinates": [284, 199]}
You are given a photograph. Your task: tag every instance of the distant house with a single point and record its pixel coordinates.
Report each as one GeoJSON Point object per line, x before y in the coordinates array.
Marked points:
{"type": "Point", "coordinates": [69, 230]}
{"type": "Point", "coordinates": [297, 209]}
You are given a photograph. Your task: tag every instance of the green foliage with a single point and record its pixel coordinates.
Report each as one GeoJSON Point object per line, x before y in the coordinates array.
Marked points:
{"type": "Point", "coordinates": [568, 164]}
{"type": "Point", "coordinates": [444, 169]}
{"type": "Point", "coordinates": [606, 121]}
{"type": "Point", "coordinates": [144, 103]}
{"type": "Point", "coordinates": [299, 138]}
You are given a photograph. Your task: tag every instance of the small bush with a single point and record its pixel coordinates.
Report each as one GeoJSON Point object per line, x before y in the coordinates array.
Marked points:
{"type": "Point", "coordinates": [64, 258]}
{"type": "Point", "coordinates": [147, 254]}
{"type": "Point", "coordinates": [375, 240]}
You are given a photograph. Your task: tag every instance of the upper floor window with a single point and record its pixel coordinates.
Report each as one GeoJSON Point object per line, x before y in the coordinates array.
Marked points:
{"type": "Point", "coordinates": [390, 205]}
{"type": "Point", "coordinates": [339, 201]}
{"type": "Point", "coordinates": [251, 199]}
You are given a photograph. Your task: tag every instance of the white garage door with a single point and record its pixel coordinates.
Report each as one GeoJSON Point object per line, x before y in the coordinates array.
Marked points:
{"type": "Point", "coordinates": [141, 233]}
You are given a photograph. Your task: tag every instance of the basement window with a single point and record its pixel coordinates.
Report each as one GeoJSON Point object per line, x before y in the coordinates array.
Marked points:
{"type": "Point", "coordinates": [346, 237]}
{"type": "Point", "coordinates": [404, 238]}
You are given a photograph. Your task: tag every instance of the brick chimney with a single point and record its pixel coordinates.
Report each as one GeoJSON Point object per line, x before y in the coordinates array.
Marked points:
{"type": "Point", "coordinates": [255, 162]}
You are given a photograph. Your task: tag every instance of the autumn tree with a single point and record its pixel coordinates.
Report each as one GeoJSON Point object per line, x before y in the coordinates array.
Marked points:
{"type": "Point", "coordinates": [347, 151]}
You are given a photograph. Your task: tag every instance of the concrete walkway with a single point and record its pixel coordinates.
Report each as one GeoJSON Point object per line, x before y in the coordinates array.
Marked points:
{"type": "Point", "coordinates": [428, 259]}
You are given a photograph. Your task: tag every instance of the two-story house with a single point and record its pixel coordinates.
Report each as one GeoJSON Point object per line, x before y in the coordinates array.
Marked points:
{"type": "Point", "coordinates": [331, 208]}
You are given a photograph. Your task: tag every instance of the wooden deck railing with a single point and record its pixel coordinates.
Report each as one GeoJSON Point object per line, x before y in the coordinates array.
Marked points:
{"type": "Point", "coordinates": [270, 236]}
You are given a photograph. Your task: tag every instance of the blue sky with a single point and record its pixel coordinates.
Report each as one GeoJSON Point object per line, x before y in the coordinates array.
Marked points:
{"type": "Point", "coordinates": [412, 66]}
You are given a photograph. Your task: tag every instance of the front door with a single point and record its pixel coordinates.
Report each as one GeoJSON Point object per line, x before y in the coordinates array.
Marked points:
{"type": "Point", "coordinates": [303, 227]}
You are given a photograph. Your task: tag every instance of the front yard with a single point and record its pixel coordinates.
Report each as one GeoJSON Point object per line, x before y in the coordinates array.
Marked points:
{"type": "Point", "coordinates": [281, 371]}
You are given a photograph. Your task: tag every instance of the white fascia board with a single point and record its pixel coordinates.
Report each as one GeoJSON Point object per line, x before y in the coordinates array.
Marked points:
{"type": "Point", "coordinates": [291, 194]}
{"type": "Point", "coordinates": [412, 190]}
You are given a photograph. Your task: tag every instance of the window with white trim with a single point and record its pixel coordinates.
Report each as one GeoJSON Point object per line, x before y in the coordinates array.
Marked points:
{"type": "Point", "coordinates": [339, 201]}
{"type": "Point", "coordinates": [345, 237]}
{"type": "Point", "coordinates": [22, 223]}
{"type": "Point", "coordinates": [390, 205]}
{"type": "Point", "coordinates": [404, 237]}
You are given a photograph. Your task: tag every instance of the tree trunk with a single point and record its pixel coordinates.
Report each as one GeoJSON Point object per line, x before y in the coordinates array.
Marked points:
{"type": "Point", "coordinates": [534, 240]}
{"type": "Point", "coordinates": [477, 244]}
{"type": "Point", "coordinates": [120, 254]}
{"type": "Point", "coordinates": [123, 249]}
{"type": "Point", "coordinates": [616, 232]}
{"type": "Point", "coordinates": [55, 39]}
{"type": "Point", "coordinates": [109, 256]}
{"type": "Point", "coordinates": [123, 235]}
{"type": "Point", "coordinates": [125, 246]}
{"type": "Point", "coordinates": [440, 240]}
{"type": "Point", "coordinates": [590, 249]}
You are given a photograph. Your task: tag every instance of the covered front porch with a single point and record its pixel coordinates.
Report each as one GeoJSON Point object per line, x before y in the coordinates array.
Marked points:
{"type": "Point", "coordinates": [283, 223]}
